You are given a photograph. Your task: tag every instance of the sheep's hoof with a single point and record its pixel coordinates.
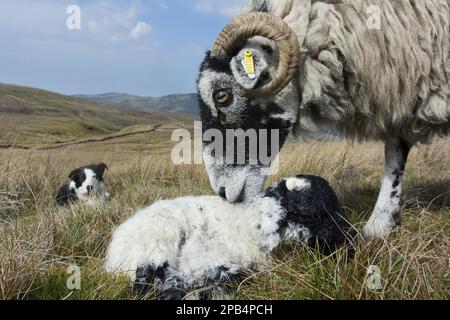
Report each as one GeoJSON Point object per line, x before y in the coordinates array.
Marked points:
{"type": "Point", "coordinates": [380, 226]}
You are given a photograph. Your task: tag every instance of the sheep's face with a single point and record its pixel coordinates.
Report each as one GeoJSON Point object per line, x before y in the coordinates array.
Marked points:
{"type": "Point", "coordinates": [242, 135]}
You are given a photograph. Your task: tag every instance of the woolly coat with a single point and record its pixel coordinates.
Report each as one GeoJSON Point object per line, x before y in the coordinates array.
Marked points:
{"type": "Point", "coordinates": [370, 69]}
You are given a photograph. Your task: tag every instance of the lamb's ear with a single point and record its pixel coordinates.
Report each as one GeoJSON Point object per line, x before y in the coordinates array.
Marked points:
{"type": "Point", "coordinates": [250, 80]}
{"type": "Point", "coordinates": [100, 170]}
{"type": "Point", "coordinates": [278, 191]}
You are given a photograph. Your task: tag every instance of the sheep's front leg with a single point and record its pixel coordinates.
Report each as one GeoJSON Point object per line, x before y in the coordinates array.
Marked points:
{"type": "Point", "coordinates": [387, 210]}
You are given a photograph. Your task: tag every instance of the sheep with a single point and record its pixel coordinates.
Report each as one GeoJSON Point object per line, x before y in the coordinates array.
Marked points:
{"type": "Point", "coordinates": [199, 244]}
{"type": "Point", "coordinates": [324, 69]}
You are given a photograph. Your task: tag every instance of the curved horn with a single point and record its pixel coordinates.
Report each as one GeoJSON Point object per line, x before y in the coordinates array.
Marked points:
{"type": "Point", "coordinates": [268, 26]}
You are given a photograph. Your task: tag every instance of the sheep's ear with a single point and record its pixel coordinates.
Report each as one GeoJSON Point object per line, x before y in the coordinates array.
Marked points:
{"type": "Point", "coordinates": [256, 77]}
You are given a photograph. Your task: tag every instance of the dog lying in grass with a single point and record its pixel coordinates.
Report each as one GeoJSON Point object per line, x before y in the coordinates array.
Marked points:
{"type": "Point", "coordinates": [85, 184]}
{"type": "Point", "coordinates": [199, 244]}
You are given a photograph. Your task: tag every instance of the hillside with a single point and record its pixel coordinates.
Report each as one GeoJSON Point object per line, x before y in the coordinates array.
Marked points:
{"type": "Point", "coordinates": [29, 116]}
{"type": "Point", "coordinates": [177, 103]}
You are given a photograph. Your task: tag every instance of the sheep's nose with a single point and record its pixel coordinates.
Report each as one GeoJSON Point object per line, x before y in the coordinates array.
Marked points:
{"type": "Point", "coordinates": [90, 188]}
{"type": "Point", "coordinates": [222, 193]}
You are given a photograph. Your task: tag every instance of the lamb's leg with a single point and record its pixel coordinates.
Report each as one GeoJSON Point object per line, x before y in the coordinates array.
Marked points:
{"type": "Point", "coordinates": [149, 276]}
{"type": "Point", "coordinates": [217, 287]}
{"type": "Point", "coordinates": [387, 210]}
{"type": "Point", "coordinates": [216, 292]}
{"type": "Point", "coordinates": [173, 289]}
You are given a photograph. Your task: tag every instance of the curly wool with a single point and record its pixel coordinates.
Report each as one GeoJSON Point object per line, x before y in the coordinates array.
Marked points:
{"type": "Point", "coordinates": [368, 83]}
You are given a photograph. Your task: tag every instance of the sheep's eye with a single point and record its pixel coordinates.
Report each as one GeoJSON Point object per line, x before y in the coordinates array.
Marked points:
{"type": "Point", "coordinates": [222, 97]}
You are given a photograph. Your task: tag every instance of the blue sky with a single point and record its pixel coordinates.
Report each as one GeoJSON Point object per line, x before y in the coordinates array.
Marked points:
{"type": "Point", "coordinates": [143, 47]}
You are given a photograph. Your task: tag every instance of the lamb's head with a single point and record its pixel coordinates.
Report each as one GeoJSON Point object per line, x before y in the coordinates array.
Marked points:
{"type": "Point", "coordinates": [251, 110]}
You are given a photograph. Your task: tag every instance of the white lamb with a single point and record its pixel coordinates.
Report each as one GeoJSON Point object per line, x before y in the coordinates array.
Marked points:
{"type": "Point", "coordinates": [195, 243]}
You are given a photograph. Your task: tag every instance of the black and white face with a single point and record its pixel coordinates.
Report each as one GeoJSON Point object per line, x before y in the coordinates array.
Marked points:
{"type": "Point", "coordinates": [261, 125]}
{"type": "Point", "coordinates": [87, 182]}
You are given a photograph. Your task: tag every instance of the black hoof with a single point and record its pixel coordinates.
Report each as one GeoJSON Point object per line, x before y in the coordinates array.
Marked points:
{"type": "Point", "coordinates": [172, 294]}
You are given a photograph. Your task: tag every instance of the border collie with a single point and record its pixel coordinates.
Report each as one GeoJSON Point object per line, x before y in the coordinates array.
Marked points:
{"type": "Point", "coordinates": [85, 185]}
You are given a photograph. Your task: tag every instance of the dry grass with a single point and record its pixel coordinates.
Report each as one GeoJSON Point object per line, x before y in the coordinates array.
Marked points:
{"type": "Point", "coordinates": [39, 241]}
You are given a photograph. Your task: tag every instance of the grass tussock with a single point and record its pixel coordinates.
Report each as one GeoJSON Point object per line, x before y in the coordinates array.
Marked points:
{"type": "Point", "coordinates": [38, 241]}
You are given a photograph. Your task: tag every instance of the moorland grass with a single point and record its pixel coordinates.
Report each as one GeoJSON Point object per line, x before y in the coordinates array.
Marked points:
{"type": "Point", "coordinates": [38, 241]}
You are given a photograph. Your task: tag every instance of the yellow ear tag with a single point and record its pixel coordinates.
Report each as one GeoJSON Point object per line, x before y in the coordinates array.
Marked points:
{"type": "Point", "coordinates": [249, 64]}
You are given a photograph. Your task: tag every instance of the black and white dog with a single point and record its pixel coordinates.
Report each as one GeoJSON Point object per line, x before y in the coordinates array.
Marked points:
{"type": "Point", "coordinates": [193, 244]}
{"type": "Point", "coordinates": [85, 185]}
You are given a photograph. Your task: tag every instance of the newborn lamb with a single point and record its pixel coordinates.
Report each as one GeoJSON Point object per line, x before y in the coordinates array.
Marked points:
{"type": "Point", "coordinates": [183, 245]}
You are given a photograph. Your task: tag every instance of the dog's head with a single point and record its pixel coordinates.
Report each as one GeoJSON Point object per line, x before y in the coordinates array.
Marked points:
{"type": "Point", "coordinates": [87, 182]}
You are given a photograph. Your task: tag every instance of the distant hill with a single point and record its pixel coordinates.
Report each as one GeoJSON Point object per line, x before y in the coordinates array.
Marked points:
{"type": "Point", "coordinates": [176, 103]}
{"type": "Point", "coordinates": [29, 116]}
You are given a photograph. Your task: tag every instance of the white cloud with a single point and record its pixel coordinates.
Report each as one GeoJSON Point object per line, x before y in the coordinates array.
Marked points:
{"type": "Point", "coordinates": [141, 30]}
{"type": "Point", "coordinates": [119, 46]}
{"type": "Point", "coordinates": [113, 35]}
{"type": "Point", "coordinates": [115, 22]}
{"type": "Point", "coordinates": [101, 21]}
{"type": "Point", "coordinates": [222, 7]}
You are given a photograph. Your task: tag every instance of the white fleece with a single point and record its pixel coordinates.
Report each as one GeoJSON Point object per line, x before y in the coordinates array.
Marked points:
{"type": "Point", "coordinates": [195, 236]}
